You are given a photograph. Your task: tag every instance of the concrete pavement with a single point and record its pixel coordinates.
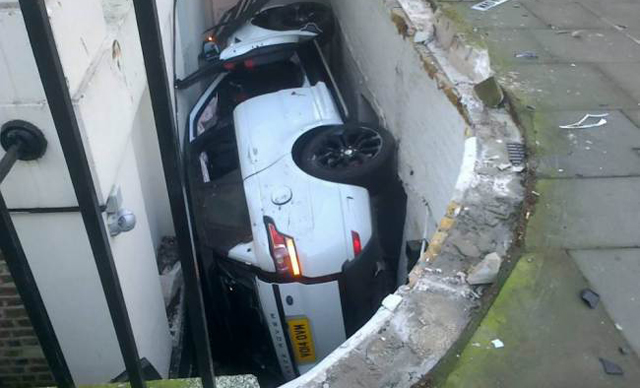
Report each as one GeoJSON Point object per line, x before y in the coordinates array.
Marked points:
{"type": "Point", "coordinates": [585, 228]}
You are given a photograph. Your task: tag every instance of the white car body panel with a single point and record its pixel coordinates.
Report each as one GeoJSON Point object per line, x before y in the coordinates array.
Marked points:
{"type": "Point", "coordinates": [245, 253]}
{"type": "Point", "coordinates": [250, 37]}
{"type": "Point", "coordinates": [276, 331]}
{"type": "Point", "coordinates": [319, 303]}
{"type": "Point", "coordinates": [319, 212]}
{"type": "Point", "coordinates": [320, 217]}
{"type": "Point", "coordinates": [267, 126]}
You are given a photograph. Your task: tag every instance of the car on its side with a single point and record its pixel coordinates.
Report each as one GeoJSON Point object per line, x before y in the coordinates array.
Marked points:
{"type": "Point", "coordinates": [282, 186]}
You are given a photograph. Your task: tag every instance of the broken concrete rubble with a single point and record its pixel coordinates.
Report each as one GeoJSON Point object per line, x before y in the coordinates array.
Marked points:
{"type": "Point", "coordinates": [489, 92]}
{"type": "Point", "coordinates": [590, 297]}
{"type": "Point", "coordinates": [466, 247]}
{"type": "Point", "coordinates": [486, 271]}
{"type": "Point", "coordinates": [611, 368]}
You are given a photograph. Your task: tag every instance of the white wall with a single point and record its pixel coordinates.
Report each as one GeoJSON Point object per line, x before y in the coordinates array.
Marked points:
{"type": "Point", "coordinates": [62, 263]}
{"type": "Point", "coordinates": [134, 254]}
{"type": "Point", "coordinates": [384, 67]}
{"type": "Point", "coordinates": [153, 185]}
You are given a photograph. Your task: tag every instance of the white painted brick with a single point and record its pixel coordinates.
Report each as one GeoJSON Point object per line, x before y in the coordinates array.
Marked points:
{"type": "Point", "coordinates": [79, 28]}
{"type": "Point", "coordinates": [18, 72]}
{"type": "Point", "coordinates": [107, 101]}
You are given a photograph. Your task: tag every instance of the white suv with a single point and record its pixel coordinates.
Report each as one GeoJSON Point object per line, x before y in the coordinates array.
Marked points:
{"type": "Point", "coordinates": [282, 187]}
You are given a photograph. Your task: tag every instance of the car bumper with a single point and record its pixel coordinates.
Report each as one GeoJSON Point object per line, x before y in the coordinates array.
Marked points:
{"type": "Point", "coordinates": [308, 320]}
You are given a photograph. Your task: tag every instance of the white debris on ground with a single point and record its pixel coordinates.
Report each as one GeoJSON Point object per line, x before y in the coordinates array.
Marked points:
{"type": "Point", "coordinates": [497, 344]}
{"type": "Point", "coordinates": [391, 302]}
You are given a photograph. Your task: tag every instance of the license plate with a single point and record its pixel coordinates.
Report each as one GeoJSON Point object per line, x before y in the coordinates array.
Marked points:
{"type": "Point", "coordinates": [302, 340]}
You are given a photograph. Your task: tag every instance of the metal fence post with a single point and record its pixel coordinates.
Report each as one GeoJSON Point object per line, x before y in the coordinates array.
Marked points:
{"type": "Point", "coordinates": [53, 80]}
{"type": "Point", "coordinates": [159, 89]}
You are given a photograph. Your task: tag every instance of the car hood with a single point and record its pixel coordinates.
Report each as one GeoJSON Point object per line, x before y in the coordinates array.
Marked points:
{"type": "Point", "coordinates": [267, 126]}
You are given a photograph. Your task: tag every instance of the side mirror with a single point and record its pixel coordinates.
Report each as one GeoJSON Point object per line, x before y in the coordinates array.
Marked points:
{"type": "Point", "coordinates": [210, 49]}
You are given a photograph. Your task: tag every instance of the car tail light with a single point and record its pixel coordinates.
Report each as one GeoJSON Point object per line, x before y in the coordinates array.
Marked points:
{"type": "Point", "coordinates": [283, 251]}
{"type": "Point", "coordinates": [249, 63]}
{"type": "Point", "coordinates": [229, 66]}
{"type": "Point", "coordinates": [357, 244]}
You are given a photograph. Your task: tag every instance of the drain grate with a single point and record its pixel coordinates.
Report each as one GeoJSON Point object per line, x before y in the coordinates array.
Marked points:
{"type": "Point", "coordinates": [517, 153]}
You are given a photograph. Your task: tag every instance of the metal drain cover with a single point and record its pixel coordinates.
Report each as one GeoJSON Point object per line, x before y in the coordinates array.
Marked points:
{"type": "Point", "coordinates": [517, 153]}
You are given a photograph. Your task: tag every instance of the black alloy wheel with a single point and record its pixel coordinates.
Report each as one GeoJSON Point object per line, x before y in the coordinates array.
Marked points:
{"type": "Point", "coordinates": [355, 154]}
{"type": "Point", "coordinates": [347, 148]}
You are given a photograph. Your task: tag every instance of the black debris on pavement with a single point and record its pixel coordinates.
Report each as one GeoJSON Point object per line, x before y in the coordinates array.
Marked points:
{"type": "Point", "coordinates": [526, 55]}
{"type": "Point", "coordinates": [611, 368]}
{"type": "Point", "coordinates": [624, 350]}
{"type": "Point", "coordinates": [590, 297]}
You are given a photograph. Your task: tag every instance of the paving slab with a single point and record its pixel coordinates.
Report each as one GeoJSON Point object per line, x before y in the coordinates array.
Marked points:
{"type": "Point", "coordinates": [633, 115]}
{"type": "Point", "coordinates": [590, 46]}
{"type": "Point", "coordinates": [565, 15]}
{"type": "Point", "coordinates": [584, 230]}
{"type": "Point", "coordinates": [504, 44]}
{"type": "Point", "coordinates": [551, 338]}
{"type": "Point", "coordinates": [557, 87]}
{"type": "Point", "coordinates": [585, 213]}
{"type": "Point", "coordinates": [626, 75]}
{"type": "Point", "coordinates": [615, 275]}
{"type": "Point", "coordinates": [506, 16]}
{"type": "Point", "coordinates": [609, 150]}
{"type": "Point", "coordinates": [622, 14]}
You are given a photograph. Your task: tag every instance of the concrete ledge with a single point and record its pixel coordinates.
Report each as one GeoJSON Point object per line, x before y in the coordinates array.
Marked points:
{"type": "Point", "coordinates": [240, 381]}
{"type": "Point", "coordinates": [419, 326]}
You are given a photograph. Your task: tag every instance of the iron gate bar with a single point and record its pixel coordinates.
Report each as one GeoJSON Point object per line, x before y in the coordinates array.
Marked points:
{"type": "Point", "coordinates": [53, 80]}
{"type": "Point", "coordinates": [50, 210]}
{"type": "Point", "coordinates": [160, 92]}
{"type": "Point", "coordinates": [8, 160]}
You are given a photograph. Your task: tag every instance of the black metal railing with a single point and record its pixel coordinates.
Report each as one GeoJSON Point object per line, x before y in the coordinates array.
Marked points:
{"type": "Point", "coordinates": [58, 97]}
{"type": "Point", "coordinates": [163, 113]}
{"type": "Point", "coordinates": [56, 90]}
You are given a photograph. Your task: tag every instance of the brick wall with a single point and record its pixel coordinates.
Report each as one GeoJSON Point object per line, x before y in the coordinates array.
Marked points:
{"type": "Point", "coordinates": [22, 363]}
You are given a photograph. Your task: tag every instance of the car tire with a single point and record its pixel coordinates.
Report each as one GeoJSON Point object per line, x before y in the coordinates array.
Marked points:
{"type": "Point", "coordinates": [356, 154]}
{"type": "Point", "coordinates": [303, 15]}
